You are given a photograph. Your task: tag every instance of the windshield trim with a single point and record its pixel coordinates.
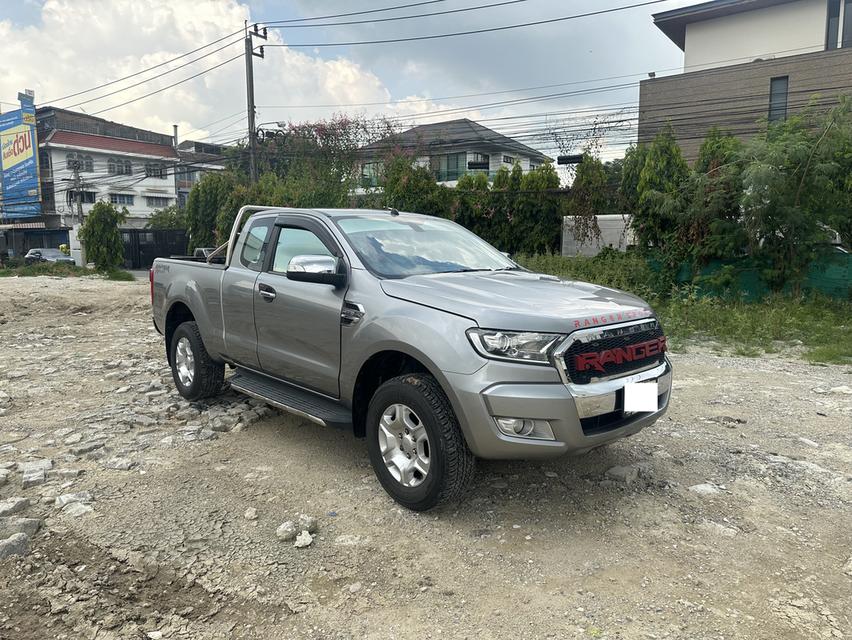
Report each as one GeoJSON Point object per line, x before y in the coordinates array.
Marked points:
{"type": "Point", "coordinates": [390, 276]}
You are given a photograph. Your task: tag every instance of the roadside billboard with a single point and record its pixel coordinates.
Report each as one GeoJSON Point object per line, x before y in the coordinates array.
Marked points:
{"type": "Point", "coordinates": [20, 195]}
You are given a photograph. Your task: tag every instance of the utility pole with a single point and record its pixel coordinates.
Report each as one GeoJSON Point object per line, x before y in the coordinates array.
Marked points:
{"type": "Point", "coordinates": [78, 189]}
{"type": "Point", "coordinates": [252, 133]}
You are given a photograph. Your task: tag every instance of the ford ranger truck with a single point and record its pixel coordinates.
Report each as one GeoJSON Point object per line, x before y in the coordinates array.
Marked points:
{"type": "Point", "coordinates": [415, 334]}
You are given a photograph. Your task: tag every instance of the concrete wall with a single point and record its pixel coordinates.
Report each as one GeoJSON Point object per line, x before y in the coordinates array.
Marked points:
{"type": "Point", "coordinates": [782, 30]}
{"type": "Point", "coordinates": [736, 98]}
{"type": "Point", "coordinates": [615, 233]}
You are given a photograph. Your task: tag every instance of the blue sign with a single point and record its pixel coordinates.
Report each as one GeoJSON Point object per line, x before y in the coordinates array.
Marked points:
{"type": "Point", "coordinates": [20, 195]}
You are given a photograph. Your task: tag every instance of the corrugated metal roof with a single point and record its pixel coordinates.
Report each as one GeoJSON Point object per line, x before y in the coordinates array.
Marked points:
{"type": "Point", "coordinates": [120, 145]}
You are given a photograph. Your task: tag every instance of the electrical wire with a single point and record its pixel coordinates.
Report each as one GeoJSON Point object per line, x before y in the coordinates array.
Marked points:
{"type": "Point", "coordinates": [435, 36]}
{"type": "Point", "coordinates": [133, 75]}
{"type": "Point", "coordinates": [395, 18]}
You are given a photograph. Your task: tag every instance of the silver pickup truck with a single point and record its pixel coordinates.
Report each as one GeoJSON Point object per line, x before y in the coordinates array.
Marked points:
{"type": "Point", "coordinates": [416, 334]}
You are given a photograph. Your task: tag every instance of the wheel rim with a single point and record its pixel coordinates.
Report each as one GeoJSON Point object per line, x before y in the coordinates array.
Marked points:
{"type": "Point", "coordinates": [404, 445]}
{"type": "Point", "coordinates": [185, 362]}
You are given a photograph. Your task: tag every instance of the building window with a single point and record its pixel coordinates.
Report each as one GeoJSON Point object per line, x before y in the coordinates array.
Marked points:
{"type": "Point", "coordinates": [846, 38]}
{"type": "Point", "coordinates": [79, 162]}
{"type": "Point", "coordinates": [155, 170]}
{"type": "Point", "coordinates": [370, 174]}
{"type": "Point", "coordinates": [86, 197]}
{"type": "Point", "coordinates": [833, 26]}
{"type": "Point", "coordinates": [121, 198]}
{"type": "Point", "coordinates": [119, 167]}
{"type": "Point", "coordinates": [479, 162]}
{"type": "Point", "coordinates": [449, 166]}
{"type": "Point", "coordinates": [778, 98]}
{"type": "Point", "coordinates": [534, 165]}
{"type": "Point", "coordinates": [508, 159]}
{"type": "Point", "coordinates": [157, 202]}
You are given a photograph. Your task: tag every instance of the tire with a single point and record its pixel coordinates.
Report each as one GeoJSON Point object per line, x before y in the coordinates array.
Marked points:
{"type": "Point", "coordinates": [196, 376]}
{"type": "Point", "coordinates": [417, 400]}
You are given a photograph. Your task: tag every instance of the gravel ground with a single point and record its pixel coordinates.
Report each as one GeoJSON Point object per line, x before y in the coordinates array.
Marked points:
{"type": "Point", "coordinates": [126, 512]}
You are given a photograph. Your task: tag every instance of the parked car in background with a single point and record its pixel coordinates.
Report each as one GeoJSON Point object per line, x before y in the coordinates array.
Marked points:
{"type": "Point", "coordinates": [47, 255]}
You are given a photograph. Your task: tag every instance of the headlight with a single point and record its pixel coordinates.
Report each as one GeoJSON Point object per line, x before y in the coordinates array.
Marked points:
{"type": "Point", "coordinates": [521, 346]}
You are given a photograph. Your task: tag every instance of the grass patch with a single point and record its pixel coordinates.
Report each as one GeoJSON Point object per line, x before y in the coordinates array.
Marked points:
{"type": "Point", "coordinates": [118, 274]}
{"type": "Point", "coordinates": [62, 270]}
{"type": "Point", "coordinates": [821, 326]}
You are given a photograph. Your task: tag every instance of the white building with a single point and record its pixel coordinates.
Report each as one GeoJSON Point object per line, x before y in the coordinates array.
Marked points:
{"type": "Point", "coordinates": [129, 167]}
{"type": "Point", "coordinates": [450, 150]}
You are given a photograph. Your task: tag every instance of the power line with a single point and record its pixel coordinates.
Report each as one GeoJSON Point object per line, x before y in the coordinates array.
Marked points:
{"type": "Point", "coordinates": [470, 32]}
{"type": "Point", "coordinates": [519, 89]}
{"type": "Point", "coordinates": [159, 75]}
{"type": "Point", "coordinates": [394, 18]}
{"type": "Point", "coordinates": [174, 84]}
{"type": "Point", "coordinates": [358, 13]}
{"type": "Point", "coordinates": [133, 75]}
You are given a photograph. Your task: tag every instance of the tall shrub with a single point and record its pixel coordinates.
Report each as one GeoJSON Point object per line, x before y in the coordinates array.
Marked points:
{"type": "Point", "coordinates": [100, 236]}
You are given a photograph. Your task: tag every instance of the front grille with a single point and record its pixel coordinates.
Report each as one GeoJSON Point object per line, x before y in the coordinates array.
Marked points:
{"type": "Point", "coordinates": [610, 340]}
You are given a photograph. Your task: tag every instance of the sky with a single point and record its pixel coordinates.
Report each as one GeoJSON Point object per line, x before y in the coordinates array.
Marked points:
{"type": "Point", "coordinates": [64, 47]}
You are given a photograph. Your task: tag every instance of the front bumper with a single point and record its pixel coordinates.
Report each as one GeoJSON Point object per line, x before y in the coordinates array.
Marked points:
{"type": "Point", "coordinates": [582, 417]}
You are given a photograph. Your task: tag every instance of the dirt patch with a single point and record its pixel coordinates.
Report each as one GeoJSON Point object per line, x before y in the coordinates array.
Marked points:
{"type": "Point", "coordinates": [727, 519]}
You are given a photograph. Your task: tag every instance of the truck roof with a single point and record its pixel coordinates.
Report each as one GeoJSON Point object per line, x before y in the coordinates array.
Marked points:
{"type": "Point", "coordinates": [337, 213]}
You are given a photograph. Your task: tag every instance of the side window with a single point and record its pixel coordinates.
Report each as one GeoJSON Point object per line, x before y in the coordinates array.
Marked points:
{"type": "Point", "coordinates": [296, 242]}
{"type": "Point", "coordinates": [254, 249]}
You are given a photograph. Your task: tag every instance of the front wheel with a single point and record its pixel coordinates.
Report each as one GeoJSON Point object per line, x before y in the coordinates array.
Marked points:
{"type": "Point", "coordinates": [195, 374]}
{"type": "Point", "coordinates": [415, 443]}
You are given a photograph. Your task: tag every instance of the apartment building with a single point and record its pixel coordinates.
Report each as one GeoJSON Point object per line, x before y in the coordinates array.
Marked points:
{"type": "Point", "coordinates": [746, 62]}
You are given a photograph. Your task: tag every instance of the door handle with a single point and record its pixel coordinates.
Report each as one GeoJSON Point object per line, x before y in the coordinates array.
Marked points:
{"type": "Point", "coordinates": [266, 292]}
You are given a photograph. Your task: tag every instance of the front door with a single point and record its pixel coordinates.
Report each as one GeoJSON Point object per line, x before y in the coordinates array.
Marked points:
{"type": "Point", "coordinates": [298, 323]}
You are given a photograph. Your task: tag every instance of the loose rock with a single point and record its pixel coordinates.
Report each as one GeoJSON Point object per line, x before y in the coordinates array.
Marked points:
{"type": "Point", "coordinates": [287, 531]}
{"type": "Point", "coordinates": [705, 489]}
{"type": "Point", "coordinates": [627, 475]}
{"type": "Point", "coordinates": [13, 505]}
{"type": "Point", "coordinates": [303, 540]}
{"type": "Point", "coordinates": [15, 545]}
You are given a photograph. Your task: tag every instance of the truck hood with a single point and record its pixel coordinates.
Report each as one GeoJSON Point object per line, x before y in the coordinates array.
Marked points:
{"type": "Point", "coordinates": [520, 300]}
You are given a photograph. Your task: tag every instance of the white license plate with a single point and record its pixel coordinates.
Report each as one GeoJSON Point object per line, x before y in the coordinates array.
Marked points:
{"type": "Point", "coordinates": [641, 396]}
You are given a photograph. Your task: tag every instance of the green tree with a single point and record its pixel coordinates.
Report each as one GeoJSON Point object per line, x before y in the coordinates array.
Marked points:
{"type": "Point", "coordinates": [470, 205]}
{"type": "Point", "coordinates": [660, 191]}
{"type": "Point", "coordinates": [172, 217]}
{"type": "Point", "coordinates": [588, 198]}
{"type": "Point", "coordinates": [100, 235]}
{"type": "Point", "coordinates": [784, 177]}
{"type": "Point", "coordinates": [411, 187]}
{"type": "Point", "coordinates": [711, 225]}
{"type": "Point", "coordinates": [631, 169]}
{"type": "Point", "coordinates": [537, 220]}
{"type": "Point", "coordinates": [206, 199]}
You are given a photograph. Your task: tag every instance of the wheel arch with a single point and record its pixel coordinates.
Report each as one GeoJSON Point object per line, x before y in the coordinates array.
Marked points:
{"type": "Point", "coordinates": [380, 367]}
{"type": "Point", "coordinates": [178, 313]}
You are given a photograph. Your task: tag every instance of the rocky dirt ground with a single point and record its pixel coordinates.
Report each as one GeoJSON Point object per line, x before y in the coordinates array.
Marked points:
{"type": "Point", "coordinates": [126, 512]}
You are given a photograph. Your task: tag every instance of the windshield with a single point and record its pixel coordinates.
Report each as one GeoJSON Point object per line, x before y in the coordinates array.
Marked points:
{"type": "Point", "coordinates": [48, 253]}
{"type": "Point", "coordinates": [397, 248]}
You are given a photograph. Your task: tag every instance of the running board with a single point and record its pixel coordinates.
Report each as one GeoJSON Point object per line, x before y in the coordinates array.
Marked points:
{"type": "Point", "coordinates": [291, 399]}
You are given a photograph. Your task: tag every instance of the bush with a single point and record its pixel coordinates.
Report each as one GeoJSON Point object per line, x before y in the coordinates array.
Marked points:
{"type": "Point", "coordinates": [101, 238]}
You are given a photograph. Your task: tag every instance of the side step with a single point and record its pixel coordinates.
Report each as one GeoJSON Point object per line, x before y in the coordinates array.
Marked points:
{"type": "Point", "coordinates": [292, 399]}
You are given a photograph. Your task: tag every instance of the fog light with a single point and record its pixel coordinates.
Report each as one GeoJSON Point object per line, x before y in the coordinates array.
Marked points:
{"type": "Point", "coordinates": [525, 428]}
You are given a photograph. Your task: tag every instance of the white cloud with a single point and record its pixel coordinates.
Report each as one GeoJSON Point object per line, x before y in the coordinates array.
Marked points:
{"type": "Point", "coordinates": [79, 45]}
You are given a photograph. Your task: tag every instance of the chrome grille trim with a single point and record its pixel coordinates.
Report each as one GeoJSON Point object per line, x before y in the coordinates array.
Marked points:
{"type": "Point", "coordinates": [596, 333]}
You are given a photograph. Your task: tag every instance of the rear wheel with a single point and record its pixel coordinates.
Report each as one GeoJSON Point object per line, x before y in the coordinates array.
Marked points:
{"type": "Point", "coordinates": [195, 374]}
{"type": "Point", "coordinates": [415, 443]}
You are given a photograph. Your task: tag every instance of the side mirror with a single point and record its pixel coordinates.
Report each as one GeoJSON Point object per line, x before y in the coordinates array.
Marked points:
{"type": "Point", "coordinates": [319, 269]}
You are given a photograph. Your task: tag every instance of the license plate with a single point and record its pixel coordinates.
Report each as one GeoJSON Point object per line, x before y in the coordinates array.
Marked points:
{"type": "Point", "coordinates": [641, 396]}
